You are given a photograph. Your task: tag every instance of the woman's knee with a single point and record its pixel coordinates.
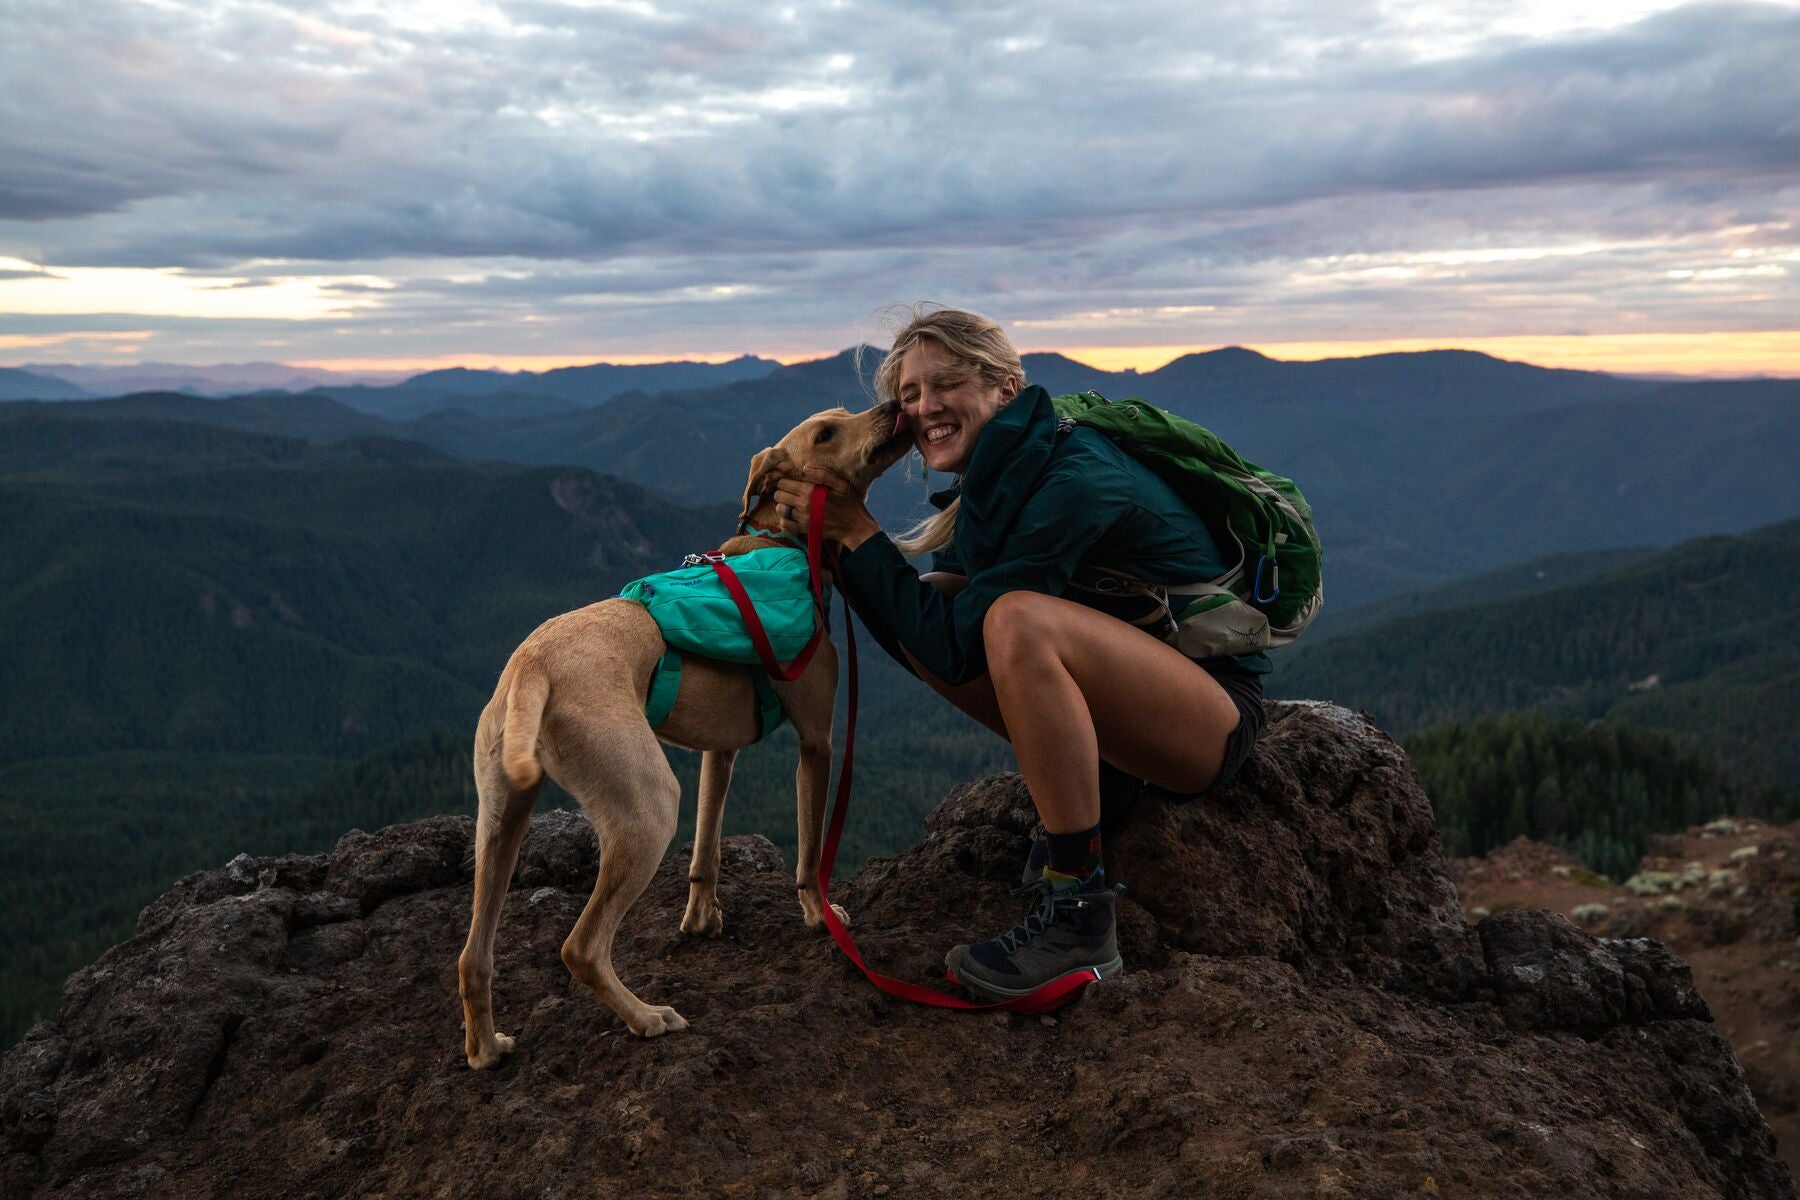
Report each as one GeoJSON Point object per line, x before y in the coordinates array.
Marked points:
{"type": "Point", "coordinates": [1019, 628]}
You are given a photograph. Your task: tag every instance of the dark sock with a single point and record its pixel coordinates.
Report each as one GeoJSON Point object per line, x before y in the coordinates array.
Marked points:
{"type": "Point", "coordinates": [1076, 855]}
{"type": "Point", "coordinates": [1119, 794]}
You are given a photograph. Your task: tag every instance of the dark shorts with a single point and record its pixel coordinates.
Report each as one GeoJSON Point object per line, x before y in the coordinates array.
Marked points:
{"type": "Point", "coordinates": [1246, 691]}
{"type": "Point", "coordinates": [1120, 793]}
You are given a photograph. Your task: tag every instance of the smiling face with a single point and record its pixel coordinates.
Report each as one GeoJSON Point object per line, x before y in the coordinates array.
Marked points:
{"type": "Point", "coordinates": [947, 403]}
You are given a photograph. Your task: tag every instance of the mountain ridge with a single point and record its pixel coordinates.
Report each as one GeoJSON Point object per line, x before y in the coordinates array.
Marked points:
{"type": "Point", "coordinates": [19, 384]}
{"type": "Point", "coordinates": [1623, 645]}
{"type": "Point", "coordinates": [1413, 479]}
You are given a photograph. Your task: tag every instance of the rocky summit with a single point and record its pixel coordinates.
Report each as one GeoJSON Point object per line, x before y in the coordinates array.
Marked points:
{"type": "Point", "coordinates": [1725, 896]}
{"type": "Point", "coordinates": [1304, 1013]}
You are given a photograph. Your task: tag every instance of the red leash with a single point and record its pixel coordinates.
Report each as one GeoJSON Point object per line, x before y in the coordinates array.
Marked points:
{"type": "Point", "coordinates": [1053, 995]}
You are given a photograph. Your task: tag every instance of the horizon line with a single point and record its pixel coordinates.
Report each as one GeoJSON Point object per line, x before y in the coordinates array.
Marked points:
{"type": "Point", "coordinates": [1718, 355]}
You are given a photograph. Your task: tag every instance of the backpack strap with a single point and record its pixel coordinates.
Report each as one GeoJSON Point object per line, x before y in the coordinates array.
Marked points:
{"type": "Point", "coordinates": [1158, 621]}
{"type": "Point", "coordinates": [769, 713]}
{"type": "Point", "coordinates": [665, 684]}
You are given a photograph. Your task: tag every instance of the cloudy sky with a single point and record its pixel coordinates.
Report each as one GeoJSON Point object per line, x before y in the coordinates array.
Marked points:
{"type": "Point", "coordinates": [529, 182]}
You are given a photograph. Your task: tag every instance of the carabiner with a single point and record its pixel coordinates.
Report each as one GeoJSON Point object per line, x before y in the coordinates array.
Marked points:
{"type": "Point", "coordinates": [1274, 580]}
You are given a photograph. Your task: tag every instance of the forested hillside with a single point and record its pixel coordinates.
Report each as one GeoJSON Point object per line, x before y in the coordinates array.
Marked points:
{"type": "Point", "coordinates": [1701, 641]}
{"type": "Point", "coordinates": [297, 609]}
{"type": "Point", "coordinates": [234, 642]}
{"type": "Point", "coordinates": [1544, 574]}
{"type": "Point", "coordinates": [1596, 790]}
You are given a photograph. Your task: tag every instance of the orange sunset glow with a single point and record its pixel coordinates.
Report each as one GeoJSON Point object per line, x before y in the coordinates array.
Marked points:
{"type": "Point", "coordinates": [1775, 354]}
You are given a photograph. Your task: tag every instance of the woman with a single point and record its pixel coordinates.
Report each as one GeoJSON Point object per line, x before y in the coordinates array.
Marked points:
{"type": "Point", "coordinates": [1060, 673]}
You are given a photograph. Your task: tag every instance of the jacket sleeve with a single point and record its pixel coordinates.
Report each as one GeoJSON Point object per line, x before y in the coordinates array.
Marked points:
{"type": "Point", "coordinates": [1062, 520]}
{"type": "Point", "coordinates": [873, 621]}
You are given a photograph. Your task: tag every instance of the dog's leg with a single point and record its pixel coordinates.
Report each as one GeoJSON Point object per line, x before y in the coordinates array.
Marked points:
{"type": "Point", "coordinates": [809, 704]}
{"type": "Point", "coordinates": [503, 818]}
{"type": "Point", "coordinates": [811, 780]}
{"type": "Point", "coordinates": [633, 799]}
{"type": "Point", "coordinates": [703, 914]}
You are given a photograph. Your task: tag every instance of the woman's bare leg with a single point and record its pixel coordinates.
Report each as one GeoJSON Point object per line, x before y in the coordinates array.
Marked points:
{"type": "Point", "coordinates": [1088, 686]}
{"type": "Point", "coordinates": [1069, 685]}
{"type": "Point", "coordinates": [1072, 684]}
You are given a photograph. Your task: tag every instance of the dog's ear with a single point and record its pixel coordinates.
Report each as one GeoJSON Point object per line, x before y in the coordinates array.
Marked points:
{"type": "Point", "coordinates": [763, 469]}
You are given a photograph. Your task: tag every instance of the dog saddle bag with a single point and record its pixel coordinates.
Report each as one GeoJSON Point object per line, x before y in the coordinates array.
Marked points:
{"type": "Point", "coordinates": [665, 685]}
{"type": "Point", "coordinates": [697, 616]}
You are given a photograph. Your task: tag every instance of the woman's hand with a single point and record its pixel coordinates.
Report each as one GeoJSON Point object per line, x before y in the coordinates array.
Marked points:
{"type": "Point", "coordinates": [847, 519]}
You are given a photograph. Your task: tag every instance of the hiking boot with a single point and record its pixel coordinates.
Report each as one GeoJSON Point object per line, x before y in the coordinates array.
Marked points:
{"type": "Point", "coordinates": [1065, 930]}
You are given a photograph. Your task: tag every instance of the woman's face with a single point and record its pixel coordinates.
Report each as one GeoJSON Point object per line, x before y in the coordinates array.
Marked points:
{"type": "Point", "coordinates": [947, 403]}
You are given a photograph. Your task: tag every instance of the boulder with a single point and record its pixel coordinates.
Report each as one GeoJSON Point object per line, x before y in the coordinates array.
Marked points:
{"type": "Point", "coordinates": [1302, 1014]}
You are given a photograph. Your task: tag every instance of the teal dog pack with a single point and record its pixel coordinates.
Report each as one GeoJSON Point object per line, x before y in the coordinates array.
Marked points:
{"type": "Point", "coordinates": [697, 615]}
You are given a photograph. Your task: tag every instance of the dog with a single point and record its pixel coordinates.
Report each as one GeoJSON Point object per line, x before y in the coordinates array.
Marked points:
{"type": "Point", "coordinates": [570, 705]}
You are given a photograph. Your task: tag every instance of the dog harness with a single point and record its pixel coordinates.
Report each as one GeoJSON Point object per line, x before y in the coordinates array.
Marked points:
{"type": "Point", "coordinates": [695, 609]}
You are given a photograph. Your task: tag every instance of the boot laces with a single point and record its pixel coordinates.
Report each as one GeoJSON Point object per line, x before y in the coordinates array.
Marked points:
{"type": "Point", "coordinates": [1040, 917]}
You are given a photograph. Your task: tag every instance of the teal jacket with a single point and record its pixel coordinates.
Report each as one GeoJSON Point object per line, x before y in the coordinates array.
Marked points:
{"type": "Point", "coordinates": [1035, 506]}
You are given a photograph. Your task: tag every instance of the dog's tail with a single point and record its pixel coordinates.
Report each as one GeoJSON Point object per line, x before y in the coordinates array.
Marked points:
{"type": "Point", "coordinates": [518, 743]}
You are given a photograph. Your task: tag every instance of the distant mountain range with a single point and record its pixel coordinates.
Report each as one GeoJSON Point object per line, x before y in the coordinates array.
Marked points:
{"type": "Point", "coordinates": [1701, 641]}
{"type": "Point", "coordinates": [1421, 468]}
{"type": "Point", "coordinates": [526, 393]}
{"type": "Point", "coordinates": [220, 379]}
{"type": "Point", "coordinates": [17, 384]}
{"type": "Point", "coordinates": [387, 393]}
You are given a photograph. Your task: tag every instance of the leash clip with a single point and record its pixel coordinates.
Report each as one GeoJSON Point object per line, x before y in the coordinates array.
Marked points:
{"type": "Point", "coordinates": [700, 560]}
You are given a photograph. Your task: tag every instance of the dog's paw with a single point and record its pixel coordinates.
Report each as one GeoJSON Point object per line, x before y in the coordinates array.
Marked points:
{"type": "Point", "coordinates": [704, 918]}
{"type": "Point", "coordinates": [657, 1021]}
{"type": "Point", "coordinates": [814, 913]}
{"type": "Point", "coordinates": [486, 1059]}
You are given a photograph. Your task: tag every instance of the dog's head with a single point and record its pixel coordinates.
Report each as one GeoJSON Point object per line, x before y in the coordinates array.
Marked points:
{"type": "Point", "coordinates": [856, 446]}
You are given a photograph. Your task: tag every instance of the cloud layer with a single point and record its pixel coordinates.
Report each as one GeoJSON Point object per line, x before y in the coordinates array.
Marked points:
{"type": "Point", "coordinates": [634, 177]}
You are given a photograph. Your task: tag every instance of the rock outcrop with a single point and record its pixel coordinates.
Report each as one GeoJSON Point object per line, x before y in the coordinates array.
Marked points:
{"type": "Point", "coordinates": [1304, 1014]}
{"type": "Point", "coordinates": [1725, 896]}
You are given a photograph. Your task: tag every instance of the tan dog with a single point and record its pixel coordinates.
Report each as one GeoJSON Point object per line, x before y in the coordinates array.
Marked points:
{"type": "Point", "coordinates": [570, 703]}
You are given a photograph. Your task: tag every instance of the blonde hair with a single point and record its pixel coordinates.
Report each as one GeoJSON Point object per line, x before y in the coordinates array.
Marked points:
{"type": "Point", "coordinates": [968, 337]}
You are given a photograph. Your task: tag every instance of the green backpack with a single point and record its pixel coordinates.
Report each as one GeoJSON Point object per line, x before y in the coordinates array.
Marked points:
{"type": "Point", "coordinates": [1259, 519]}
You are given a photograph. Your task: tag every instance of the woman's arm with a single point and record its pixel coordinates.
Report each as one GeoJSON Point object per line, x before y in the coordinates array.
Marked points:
{"type": "Point", "coordinates": [1057, 526]}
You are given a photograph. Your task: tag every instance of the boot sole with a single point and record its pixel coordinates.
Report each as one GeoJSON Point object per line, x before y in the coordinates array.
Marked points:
{"type": "Point", "coordinates": [994, 992]}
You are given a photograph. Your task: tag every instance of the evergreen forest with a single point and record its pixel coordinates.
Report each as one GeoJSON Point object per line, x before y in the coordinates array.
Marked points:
{"type": "Point", "coordinates": [1598, 791]}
